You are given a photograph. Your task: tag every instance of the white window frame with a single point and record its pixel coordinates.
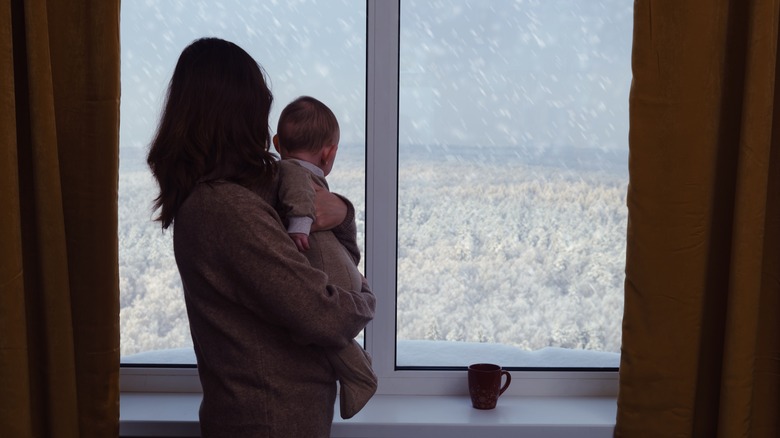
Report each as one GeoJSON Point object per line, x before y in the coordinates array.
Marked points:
{"type": "Point", "coordinates": [382, 82]}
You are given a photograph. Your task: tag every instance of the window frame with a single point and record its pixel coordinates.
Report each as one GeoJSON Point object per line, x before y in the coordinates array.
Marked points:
{"type": "Point", "coordinates": [382, 96]}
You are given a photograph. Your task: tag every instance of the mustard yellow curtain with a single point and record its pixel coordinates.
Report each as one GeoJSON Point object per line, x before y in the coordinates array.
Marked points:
{"type": "Point", "coordinates": [701, 330]}
{"type": "Point", "coordinates": [59, 300]}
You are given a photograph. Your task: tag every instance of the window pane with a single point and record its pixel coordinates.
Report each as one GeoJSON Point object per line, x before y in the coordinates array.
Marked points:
{"type": "Point", "coordinates": [314, 47]}
{"type": "Point", "coordinates": [512, 178]}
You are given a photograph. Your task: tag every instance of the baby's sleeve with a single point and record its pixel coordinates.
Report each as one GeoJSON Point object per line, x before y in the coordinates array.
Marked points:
{"type": "Point", "coordinates": [296, 196]}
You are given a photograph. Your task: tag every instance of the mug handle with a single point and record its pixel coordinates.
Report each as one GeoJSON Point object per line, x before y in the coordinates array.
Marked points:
{"type": "Point", "coordinates": [506, 384]}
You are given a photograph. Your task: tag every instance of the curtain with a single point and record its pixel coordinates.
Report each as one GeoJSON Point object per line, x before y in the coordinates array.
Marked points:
{"type": "Point", "coordinates": [59, 287]}
{"type": "Point", "coordinates": [701, 331]}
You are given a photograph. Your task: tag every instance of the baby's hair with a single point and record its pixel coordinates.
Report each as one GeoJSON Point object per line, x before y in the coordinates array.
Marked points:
{"type": "Point", "coordinates": [306, 124]}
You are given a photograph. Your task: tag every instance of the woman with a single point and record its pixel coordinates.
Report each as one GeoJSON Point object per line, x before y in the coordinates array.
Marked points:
{"type": "Point", "coordinates": [260, 315]}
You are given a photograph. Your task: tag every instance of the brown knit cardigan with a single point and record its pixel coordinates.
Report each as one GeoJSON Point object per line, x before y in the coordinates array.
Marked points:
{"type": "Point", "coordinates": [259, 316]}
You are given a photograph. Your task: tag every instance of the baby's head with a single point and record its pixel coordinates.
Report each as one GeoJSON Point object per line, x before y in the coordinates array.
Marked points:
{"type": "Point", "coordinates": [307, 127]}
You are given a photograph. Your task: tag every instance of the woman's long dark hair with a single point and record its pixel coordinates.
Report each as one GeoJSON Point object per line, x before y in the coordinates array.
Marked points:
{"type": "Point", "coordinates": [214, 124]}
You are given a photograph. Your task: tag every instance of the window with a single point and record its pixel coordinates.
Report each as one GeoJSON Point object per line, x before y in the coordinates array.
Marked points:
{"type": "Point", "coordinates": [307, 48]}
{"type": "Point", "coordinates": [495, 157]}
{"type": "Point", "coordinates": [512, 176]}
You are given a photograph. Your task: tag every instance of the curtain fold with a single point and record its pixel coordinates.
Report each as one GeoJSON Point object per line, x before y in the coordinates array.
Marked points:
{"type": "Point", "coordinates": [701, 354]}
{"type": "Point", "coordinates": [59, 97]}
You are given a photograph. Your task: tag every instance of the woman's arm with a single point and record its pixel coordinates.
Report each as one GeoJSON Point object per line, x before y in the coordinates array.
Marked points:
{"type": "Point", "coordinates": [230, 241]}
{"type": "Point", "coordinates": [337, 214]}
{"type": "Point", "coordinates": [331, 210]}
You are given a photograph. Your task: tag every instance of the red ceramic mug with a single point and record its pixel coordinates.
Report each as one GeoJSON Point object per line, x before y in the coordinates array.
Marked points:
{"type": "Point", "coordinates": [485, 384]}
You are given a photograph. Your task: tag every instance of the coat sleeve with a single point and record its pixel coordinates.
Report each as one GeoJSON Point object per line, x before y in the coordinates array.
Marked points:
{"type": "Point", "coordinates": [346, 232]}
{"type": "Point", "coordinates": [234, 241]}
{"type": "Point", "coordinates": [296, 193]}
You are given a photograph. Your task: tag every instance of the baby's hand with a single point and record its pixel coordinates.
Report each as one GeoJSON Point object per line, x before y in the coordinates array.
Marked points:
{"type": "Point", "coordinates": [301, 241]}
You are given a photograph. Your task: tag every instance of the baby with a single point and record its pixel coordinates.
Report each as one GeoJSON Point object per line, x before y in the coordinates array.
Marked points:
{"type": "Point", "coordinates": [307, 140]}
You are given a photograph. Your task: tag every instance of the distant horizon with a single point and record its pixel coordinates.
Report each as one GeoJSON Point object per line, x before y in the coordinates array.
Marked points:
{"type": "Point", "coordinates": [568, 157]}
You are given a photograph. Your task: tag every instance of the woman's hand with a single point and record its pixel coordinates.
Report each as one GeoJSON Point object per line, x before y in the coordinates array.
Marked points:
{"type": "Point", "coordinates": [330, 210]}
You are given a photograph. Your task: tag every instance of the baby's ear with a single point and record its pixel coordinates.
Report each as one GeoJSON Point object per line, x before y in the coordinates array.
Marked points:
{"type": "Point", "coordinates": [276, 144]}
{"type": "Point", "coordinates": [329, 152]}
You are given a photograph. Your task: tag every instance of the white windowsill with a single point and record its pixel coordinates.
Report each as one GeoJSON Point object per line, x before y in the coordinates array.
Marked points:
{"type": "Point", "coordinates": [176, 415]}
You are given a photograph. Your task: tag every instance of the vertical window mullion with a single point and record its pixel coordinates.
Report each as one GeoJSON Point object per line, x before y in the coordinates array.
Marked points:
{"type": "Point", "coordinates": [382, 176]}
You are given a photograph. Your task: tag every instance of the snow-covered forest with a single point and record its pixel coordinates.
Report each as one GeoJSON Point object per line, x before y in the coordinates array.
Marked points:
{"type": "Point", "coordinates": [517, 254]}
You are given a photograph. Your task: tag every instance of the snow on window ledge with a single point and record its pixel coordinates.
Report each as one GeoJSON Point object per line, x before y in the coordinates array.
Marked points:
{"type": "Point", "coordinates": [439, 353]}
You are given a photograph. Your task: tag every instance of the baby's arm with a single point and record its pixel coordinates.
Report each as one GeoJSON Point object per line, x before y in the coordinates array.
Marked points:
{"type": "Point", "coordinates": [298, 229]}
{"type": "Point", "coordinates": [297, 198]}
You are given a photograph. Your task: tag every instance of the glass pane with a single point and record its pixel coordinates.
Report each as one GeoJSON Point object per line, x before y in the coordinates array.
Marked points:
{"type": "Point", "coordinates": [314, 47]}
{"type": "Point", "coordinates": [512, 179]}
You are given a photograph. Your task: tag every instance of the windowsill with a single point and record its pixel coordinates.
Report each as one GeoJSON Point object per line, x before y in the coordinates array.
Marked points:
{"type": "Point", "coordinates": [176, 415]}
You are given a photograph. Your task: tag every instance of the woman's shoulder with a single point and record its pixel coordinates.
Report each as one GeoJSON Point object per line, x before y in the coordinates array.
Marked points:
{"type": "Point", "coordinates": [224, 211]}
{"type": "Point", "coordinates": [216, 198]}
{"type": "Point", "coordinates": [221, 191]}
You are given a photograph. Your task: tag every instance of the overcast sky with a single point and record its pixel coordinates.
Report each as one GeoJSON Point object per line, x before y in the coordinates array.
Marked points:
{"type": "Point", "coordinates": [491, 73]}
